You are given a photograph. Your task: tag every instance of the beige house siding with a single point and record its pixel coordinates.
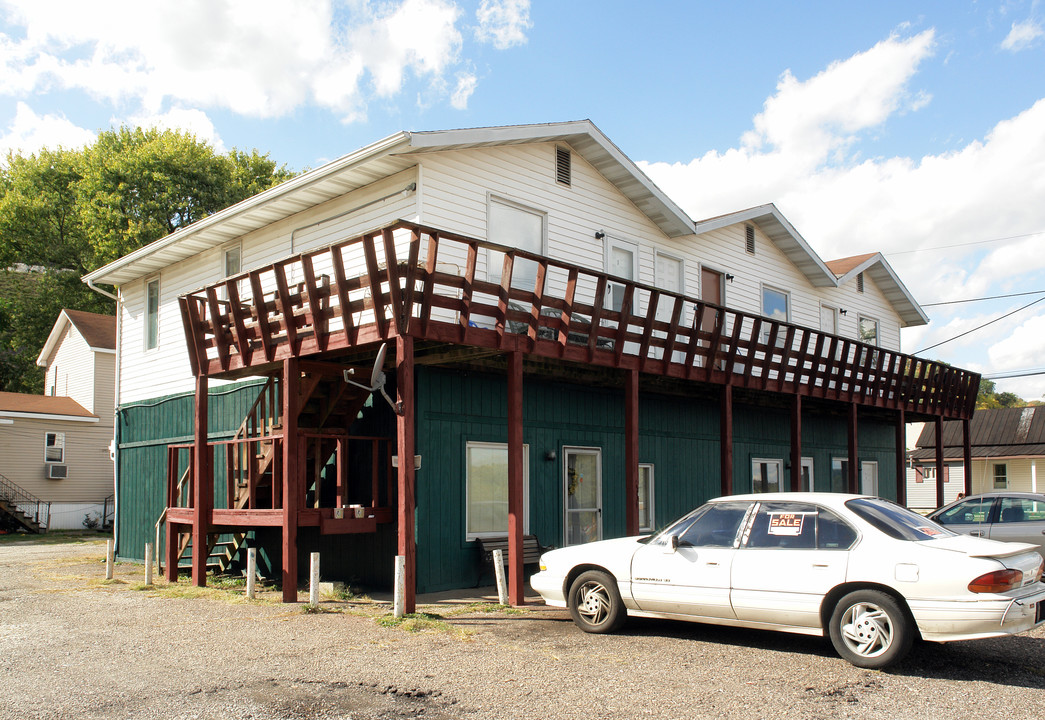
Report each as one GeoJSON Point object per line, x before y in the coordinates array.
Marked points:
{"type": "Point", "coordinates": [1023, 474]}
{"type": "Point", "coordinates": [90, 471]}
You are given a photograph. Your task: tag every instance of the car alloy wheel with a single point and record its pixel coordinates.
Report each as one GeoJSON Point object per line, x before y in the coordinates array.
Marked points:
{"type": "Point", "coordinates": [595, 603]}
{"type": "Point", "coordinates": [870, 629]}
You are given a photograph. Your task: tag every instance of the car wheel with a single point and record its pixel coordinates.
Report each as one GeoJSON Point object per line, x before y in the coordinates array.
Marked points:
{"type": "Point", "coordinates": [595, 603]}
{"type": "Point", "coordinates": [870, 629]}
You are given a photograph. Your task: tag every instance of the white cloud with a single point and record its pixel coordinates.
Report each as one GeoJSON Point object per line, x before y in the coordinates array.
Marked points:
{"type": "Point", "coordinates": [503, 22]}
{"type": "Point", "coordinates": [261, 58]}
{"type": "Point", "coordinates": [1022, 36]}
{"type": "Point", "coordinates": [466, 83]}
{"type": "Point", "coordinates": [192, 121]}
{"type": "Point", "coordinates": [29, 132]}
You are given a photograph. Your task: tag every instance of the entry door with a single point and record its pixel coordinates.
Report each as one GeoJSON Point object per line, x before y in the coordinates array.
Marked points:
{"type": "Point", "coordinates": [869, 478]}
{"type": "Point", "coordinates": [622, 261]}
{"type": "Point", "coordinates": [807, 474]}
{"type": "Point", "coordinates": [712, 290]}
{"type": "Point", "coordinates": [583, 494]}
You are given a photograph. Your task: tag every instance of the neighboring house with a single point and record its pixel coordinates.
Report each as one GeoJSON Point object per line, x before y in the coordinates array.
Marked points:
{"type": "Point", "coordinates": [1007, 451]}
{"type": "Point", "coordinates": [575, 359]}
{"type": "Point", "coordinates": [55, 448]}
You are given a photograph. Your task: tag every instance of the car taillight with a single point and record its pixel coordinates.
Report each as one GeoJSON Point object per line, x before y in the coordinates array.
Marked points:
{"type": "Point", "coordinates": [997, 581]}
{"type": "Point", "coordinates": [1037, 573]}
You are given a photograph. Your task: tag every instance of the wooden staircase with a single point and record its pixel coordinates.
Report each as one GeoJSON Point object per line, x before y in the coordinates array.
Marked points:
{"type": "Point", "coordinates": [21, 511]}
{"type": "Point", "coordinates": [326, 402]}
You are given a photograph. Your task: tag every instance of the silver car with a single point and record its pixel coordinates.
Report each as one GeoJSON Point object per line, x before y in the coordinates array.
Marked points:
{"type": "Point", "coordinates": [1008, 516]}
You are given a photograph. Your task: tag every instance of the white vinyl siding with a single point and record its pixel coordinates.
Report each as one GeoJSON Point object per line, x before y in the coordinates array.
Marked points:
{"type": "Point", "coordinates": [70, 370]}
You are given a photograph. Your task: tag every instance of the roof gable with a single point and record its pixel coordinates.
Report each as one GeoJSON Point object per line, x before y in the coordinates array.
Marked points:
{"type": "Point", "coordinates": [875, 266]}
{"type": "Point", "coordinates": [98, 331]}
{"type": "Point", "coordinates": [384, 158]}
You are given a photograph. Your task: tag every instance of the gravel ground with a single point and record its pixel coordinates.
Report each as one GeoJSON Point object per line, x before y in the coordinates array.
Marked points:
{"type": "Point", "coordinates": [74, 645]}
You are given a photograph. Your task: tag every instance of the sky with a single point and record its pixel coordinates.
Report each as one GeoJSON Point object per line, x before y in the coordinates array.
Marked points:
{"type": "Point", "coordinates": [915, 129]}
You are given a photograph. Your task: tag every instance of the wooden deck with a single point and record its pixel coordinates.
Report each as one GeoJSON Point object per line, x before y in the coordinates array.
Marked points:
{"type": "Point", "coordinates": [421, 282]}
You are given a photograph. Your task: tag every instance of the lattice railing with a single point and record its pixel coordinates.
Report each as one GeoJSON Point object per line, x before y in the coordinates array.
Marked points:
{"type": "Point", "coordinates": [437, 285]}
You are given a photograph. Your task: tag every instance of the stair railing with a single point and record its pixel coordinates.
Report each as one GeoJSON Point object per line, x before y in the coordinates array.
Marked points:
{"type": "Point", "coordinates": [32, 506]}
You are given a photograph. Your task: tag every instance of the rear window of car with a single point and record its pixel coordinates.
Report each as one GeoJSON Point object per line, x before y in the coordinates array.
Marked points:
{"type": "Point", "coordinates": [896, 521]}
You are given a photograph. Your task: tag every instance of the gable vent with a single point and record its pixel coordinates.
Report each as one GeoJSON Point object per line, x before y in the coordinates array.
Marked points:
{"type": "Point", "coordinates": [860, 282]}
{"type": "Point", "coordinates": [750, 238]}
{"type": "Point", "coordinates": [563, 168]}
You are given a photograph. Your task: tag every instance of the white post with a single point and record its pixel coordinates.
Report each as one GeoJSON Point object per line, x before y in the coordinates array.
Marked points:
{"type": "Point", "coordinates": [158, 546]}
{"type": "Point", "coordinates": [1034, 476]}
{"type": "Point", "coordinates": [498, 572]}
{"type": "Point", "coordinates": [252, 565]}
{"type": "Point", "coordinates": [109, 552]}
{"type": "Point", "coordinates": [148, 564]}
{"type": "Point", "coordinates": [313, 581]}
{"type": "Point", "coordinates": [400, 587]}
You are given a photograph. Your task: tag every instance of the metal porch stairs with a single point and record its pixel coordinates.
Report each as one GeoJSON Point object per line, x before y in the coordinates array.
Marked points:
{"type": "Point", "coordinates": [21, 510]}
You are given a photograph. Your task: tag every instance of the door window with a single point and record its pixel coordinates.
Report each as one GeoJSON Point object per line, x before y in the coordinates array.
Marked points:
{"type": "Point", "coordinates": [716, 527]}
{"type": "Point", "coordinates": [970, 511]}
{"type": "Point", "coordinates": [583, 481]}
{"type": "Point", "coordinates": [1018, 510]}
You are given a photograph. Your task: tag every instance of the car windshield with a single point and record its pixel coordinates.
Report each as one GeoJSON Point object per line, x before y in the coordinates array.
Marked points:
{"type": "Point", "coordinates": [896, 521]}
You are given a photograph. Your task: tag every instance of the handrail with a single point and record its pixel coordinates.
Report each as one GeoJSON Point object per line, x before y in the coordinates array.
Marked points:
{"type": "Point", "coordinates": [23, 499]}
{"type": "Point", "coordinates": [382, 288]}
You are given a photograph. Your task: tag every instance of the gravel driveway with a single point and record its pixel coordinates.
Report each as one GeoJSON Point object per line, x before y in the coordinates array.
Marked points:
{"type": "Point", "coordinates": [73, 645]}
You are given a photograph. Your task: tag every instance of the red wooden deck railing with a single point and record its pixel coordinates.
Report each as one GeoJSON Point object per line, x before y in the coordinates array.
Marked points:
{"type": "Point", "coordinates": [427, 283]}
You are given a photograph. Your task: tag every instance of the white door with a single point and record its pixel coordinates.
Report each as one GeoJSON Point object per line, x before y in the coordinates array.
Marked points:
{"type": "Point", "coordinates": [692, 579]}
{"type": "Point", "coordinates": [869, 478]}
{"type": "Point", "coordinates": [622, 261]}
{"type": "Point", "coordinates": [783, 573]}
{"type": "Point", "coordinates": [583, 494]}
{"type": "Point", "coordinates": [807, 474]}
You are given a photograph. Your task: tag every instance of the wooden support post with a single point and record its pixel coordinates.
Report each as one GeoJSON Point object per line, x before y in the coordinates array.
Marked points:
{"type": "Point", "coordinates": [291, 478]}
{"type": "Point", "coordinates": [901, 458]}
{"type": "Point", "coordinates": [516, 594]}
{"type": "Point", "coordinates": [726, 439]}
{"type": "Point", "coordinates": [853, 476]}
{"type": "Point", "coordinates": [631, 453]}
{"type": "Point", "coordinates": [171, 569]}
{"type": "Point", "coordinates": [405, 445]}
{"type": "Point", "coordinates": [796, 443]}
{"type": "Point", "coordinates": [967, 457]}
{"type": "Point", "coordinates": [202, 487]}
{"type": "Point", "coordinates": [939, 460]}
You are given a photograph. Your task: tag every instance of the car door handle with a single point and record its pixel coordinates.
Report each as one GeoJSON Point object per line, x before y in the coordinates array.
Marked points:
{"type": "Point", "coordinates": [977, 533]}
{"type": "Point", "coordinates": [823, 565]}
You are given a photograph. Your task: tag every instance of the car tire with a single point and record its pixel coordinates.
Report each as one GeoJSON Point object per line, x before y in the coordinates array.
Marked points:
{"type": "Point", "coordinates": [595, 603]}
{"type": "Point", "coordinates": [871, 629]}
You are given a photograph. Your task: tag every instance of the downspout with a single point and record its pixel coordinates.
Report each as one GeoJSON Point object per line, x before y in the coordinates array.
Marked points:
{"type": "Point", "coordinates": [116, 417]}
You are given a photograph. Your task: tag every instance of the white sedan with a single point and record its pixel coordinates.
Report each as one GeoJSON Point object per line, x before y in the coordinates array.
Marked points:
{"type": "Point", "coordinates": [868, 573]}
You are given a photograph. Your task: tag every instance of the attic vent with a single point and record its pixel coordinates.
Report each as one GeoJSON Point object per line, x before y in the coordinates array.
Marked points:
{"type": "Point", "coordinates": [749, 231]}
{"type": "Point", "coordinates": [860, 282]}
{"type": "Point", "coordinates": [563, 168]}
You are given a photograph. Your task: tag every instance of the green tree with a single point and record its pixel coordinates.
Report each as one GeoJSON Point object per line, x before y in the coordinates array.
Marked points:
{"type": "Point", "coordinates": [68, 212]}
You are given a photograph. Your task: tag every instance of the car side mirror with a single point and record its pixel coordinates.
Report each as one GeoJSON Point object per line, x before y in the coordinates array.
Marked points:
{"type": "Point", "coordinates": [674, 542]}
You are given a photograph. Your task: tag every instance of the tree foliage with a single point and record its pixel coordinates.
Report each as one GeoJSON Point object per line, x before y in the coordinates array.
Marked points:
{"type": "Point", "coordinates": [68, 212]}
{"type": "Point", "coordinates": [989, 397]}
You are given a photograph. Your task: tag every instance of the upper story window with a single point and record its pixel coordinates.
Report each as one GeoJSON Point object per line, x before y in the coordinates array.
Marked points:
{"type": "Point", "coordinates": [776, 305]}
{"type": "Point", "coordinates": [54, 447]}
{"type": "Point", "coordinates": [152, 313]}
{"type": "Point", "coordinates": [231, 264]}
{"type": "Point", "coordinates": [516, 226]}
{"type": "Point", "coordinates": [868, 331]}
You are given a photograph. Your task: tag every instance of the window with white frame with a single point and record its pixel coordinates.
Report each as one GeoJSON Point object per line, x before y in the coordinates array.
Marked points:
{"type": "Point", "coordinates": [54, 447]}
{"type": "Point", "coordinates": [486, 489]}
{"type": "Point", "coordinates": [776, 304]}
{"type": "Point", "coordinates": [646, 521]}
{"type": "Point", "coordinates": [517, 226]}
{"type": "Point", "coordinates": [1001, 476]}
{"type": "Point", "coordinates": [868, 328]}
{"type": "Point", "coordinates": [231, 260]}
{"type": "Point", "coordinates": [766, 474]}
{"type": "Point", "coordinates": [152, 313]}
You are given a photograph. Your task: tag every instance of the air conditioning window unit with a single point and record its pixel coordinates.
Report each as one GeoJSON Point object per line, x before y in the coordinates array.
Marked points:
{"type": "Point", "coordinates": [57, 472]}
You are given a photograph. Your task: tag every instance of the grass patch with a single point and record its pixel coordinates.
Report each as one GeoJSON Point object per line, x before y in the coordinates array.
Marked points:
{"type": "Point", "coordinates": [416, 622]}
{"type": "Point", "coordinates": [55, 537]}
{"type": "Point", "coordinates": [485, 607]}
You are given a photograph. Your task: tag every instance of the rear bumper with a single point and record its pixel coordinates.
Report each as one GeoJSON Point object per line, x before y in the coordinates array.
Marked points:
{"type": "Point", "coordinates": [944, 621]}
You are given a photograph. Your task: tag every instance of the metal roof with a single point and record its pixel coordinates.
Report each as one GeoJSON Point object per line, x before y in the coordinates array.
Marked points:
{"type": "Point", "coordinates": [994, 432]}
{"type": "Point", "coordinates": [386, 157]}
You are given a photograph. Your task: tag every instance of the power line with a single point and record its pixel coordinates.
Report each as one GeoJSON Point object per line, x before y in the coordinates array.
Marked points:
{"type": "Point", "coordinates": [975, 242]}
{"type": "Point", "coordinates": [990, 297]}
{"type": "Point", "coordinates": [1015, 374]}
{"type": "Point", "coordinates": [981, 327]}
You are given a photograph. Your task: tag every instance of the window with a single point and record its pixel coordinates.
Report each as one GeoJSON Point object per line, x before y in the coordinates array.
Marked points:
{"type": "Point", "coordinates": [231, 265]}
{"type": "Point", "coordinates": [970, 511]}
{"type": "Point", "coordinates": [766, 474]}
{"type": "Point", "coordinates": [896, 521]}
{"type": "Point", "coordinates": [799, 526]}
{"type": "Point", "coordinates": [716, 527]}
{"type": "Point", "coordinates": [1019, 510]}
{"type": "Point", "coordinates": [54, 447]}
{"type": "Point", "coordinates": [807, 474]}
{"type": "Point", "coordinates": [646, 522]}
{"type": "Point", "coordinates": [868, 331]}
{"type": "Point", "coordinates": [486, 504]}
{"type": "Point", "coordinates": [839, 475]}
{"type": "Point", "coordinates": [1001, 476]}
{"type": "Point", "coordinates": [829, 319]}
{"type": "Point", "coordinates": [519, 227]}
{"type": "Point", "coordinates": [775, 305]}
{"type": "Point", "coordinates": [152, 313]}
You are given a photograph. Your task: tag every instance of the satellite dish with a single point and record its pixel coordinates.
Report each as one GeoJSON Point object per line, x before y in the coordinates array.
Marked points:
{"type": "Point", "coordinates": [377, 379]}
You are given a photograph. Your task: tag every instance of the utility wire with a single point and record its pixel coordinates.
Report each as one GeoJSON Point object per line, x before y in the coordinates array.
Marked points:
{"type": "Point", "coordinates": [990, 297]}
{"type": "Point", "coordinates": [1014, 374]}
{"type": "Point", "coordinates": [981, 327]}
{"type": "Point", "coordinates": [975, 242]}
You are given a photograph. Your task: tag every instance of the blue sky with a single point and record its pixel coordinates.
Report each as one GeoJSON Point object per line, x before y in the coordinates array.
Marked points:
{"type": "Point", "coordinates": [912, 128]}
